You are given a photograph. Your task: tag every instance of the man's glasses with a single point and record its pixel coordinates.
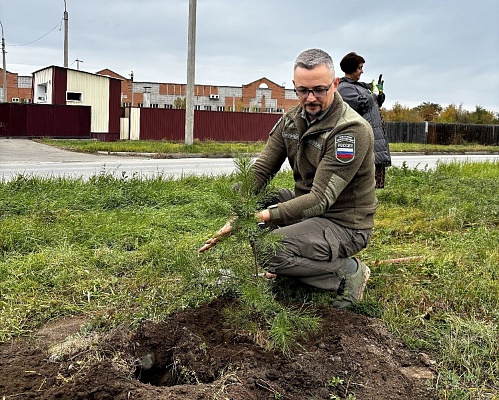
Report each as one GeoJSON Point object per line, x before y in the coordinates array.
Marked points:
{"type": "Point", "coordinates": [318, 92]}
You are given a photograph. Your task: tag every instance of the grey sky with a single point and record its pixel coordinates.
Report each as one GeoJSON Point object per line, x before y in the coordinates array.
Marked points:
{"type": "Point", "coordinates": [441, 51]}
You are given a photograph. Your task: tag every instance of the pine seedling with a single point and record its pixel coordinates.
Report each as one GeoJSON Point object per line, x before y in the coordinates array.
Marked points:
{"type": "Point", "coordinates": [257, 301]}
{"type": "Point", "coordinates": [245, 203]}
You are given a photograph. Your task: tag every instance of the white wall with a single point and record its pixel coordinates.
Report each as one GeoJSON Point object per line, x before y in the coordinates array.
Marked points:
{"type": "Point", "coordinates": [95, 93]}
{"type": "Point", "coordinates": [42, 85]}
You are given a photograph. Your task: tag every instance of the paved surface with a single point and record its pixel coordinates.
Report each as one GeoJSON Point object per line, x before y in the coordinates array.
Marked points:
{"type": "Point", "coordinates": [28, 158]}
{"type": "Point", "coordinates": [25, 150]}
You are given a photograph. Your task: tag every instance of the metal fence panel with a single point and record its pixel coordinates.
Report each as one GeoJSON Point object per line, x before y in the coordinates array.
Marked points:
{"type": "Point", "coordinates": [40, 120]}
{"type": "Point", "coordinates": [60, 121]}
{"type": "Point", "coordinates": [167, 124]}
{"type": "Point", "coordinates": [233, 126]}
{"type": "Point", "coordinates": [161, 124]}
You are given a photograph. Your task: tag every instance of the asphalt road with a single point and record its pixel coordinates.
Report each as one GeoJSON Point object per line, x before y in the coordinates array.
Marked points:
{"type": "Point", "coordinates": [28, 158]}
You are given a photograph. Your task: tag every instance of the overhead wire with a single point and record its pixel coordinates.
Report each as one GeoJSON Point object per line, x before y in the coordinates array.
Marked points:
{"type": "Point", "coordinates": [41, 37]}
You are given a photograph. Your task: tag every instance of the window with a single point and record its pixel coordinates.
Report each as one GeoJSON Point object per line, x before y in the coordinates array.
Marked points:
{"type": "Point", "coordinates": [220, 108]}
{"type": "Point", "coordinates": [41, 93]}
{"type": "Point", "coordinates": [197, 107]}
{"type": "Point", "coordinates": [207, 108]}
{"type": "Point", "coordinates": [15, 99]}
{"type": "Point", "coordinates": [74, 96]}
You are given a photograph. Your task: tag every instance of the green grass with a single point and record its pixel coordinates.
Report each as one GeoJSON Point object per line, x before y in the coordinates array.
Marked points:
{"type": "Point", "coordinates": [229, 148]}
{"type": "Point", "coordinates": [124, 250]}
{"type": "Point", "coordinates": [207, 147]}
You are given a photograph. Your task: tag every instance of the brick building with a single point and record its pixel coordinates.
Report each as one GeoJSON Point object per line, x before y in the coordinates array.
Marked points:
{"type": "Point", "coordinates": [262, 95]}
{"type": "Point", "coordinates": [18, 88]}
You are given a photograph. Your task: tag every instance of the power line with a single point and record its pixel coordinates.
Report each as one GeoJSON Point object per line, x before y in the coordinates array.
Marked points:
{"type": "Point", "coordinates": [41, 37]}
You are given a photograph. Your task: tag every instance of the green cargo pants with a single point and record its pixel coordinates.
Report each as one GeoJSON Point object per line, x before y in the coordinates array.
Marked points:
{"type": "Point", "coordinates": [315, 251]}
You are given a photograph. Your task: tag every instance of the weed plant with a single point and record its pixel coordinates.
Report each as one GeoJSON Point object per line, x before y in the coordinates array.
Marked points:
{"type": "Point", "coordinates": [124, 250]}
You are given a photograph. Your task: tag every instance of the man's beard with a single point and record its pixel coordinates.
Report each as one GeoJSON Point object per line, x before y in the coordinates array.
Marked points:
{"type": "Point", "coordinates": [316, 112]}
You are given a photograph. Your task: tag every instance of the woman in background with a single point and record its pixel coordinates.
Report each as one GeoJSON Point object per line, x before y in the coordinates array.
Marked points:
{"type": "Point", "coordinates": [360, 96]}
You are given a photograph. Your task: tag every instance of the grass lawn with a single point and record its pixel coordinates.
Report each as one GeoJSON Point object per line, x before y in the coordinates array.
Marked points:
{"type": "Point", "coordinates": [124, 250]}
{"type": "Point", "coordinates": [211, 147]}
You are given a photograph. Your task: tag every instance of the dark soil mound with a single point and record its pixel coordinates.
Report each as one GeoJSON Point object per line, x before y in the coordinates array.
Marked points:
{"type": "Point", "coordinates": [196, 355]}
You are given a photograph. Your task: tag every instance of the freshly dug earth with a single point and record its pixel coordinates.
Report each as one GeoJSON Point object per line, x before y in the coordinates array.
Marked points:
{"type": "Point", "coordinates": [197, 355]}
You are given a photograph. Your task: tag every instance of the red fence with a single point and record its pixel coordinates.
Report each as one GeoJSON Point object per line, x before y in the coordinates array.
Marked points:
{"type": "Point", "coordinates": [39, 120]}
{"type": "Point", "coordinates": [164, 124]}
{"type": "Point", "coordinates": [60, 121]}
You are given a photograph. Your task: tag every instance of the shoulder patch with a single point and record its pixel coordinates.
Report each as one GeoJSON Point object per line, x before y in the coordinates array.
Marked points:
{"type": "Point", "coordinates": [275, 126]}
{"type": "Point", "coordinates": [291, 135]}
{"type": "Point", "coordinates": [345, 147]}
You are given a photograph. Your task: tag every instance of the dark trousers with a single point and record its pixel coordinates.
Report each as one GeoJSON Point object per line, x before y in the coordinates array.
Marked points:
{"type": "Point", "coordinates": [315, 250]}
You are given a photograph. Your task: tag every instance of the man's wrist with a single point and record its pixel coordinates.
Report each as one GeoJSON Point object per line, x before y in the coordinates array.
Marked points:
{"type": "Point", "coordinates": [263, 215]}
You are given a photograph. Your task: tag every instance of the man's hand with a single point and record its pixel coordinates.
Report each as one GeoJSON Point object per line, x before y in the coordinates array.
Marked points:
{"type": "Point", "coordinates": [226, 230]}
{"type": "Point", "coordinates": [223, 231]}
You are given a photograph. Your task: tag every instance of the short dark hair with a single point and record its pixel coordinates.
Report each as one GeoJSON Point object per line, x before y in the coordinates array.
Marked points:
{"type": "Point", "coordinates": [351, 62]}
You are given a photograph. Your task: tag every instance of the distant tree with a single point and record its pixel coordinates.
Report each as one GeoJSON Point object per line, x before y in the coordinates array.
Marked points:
{"type": "Point", "coordinates": [179, 103]}
{"type": "Point", "coordinates": [453, 114]}
{"type": "Point", "coordinates": [239, 105]}
{"type": "Point", "coordinates": [483, 116]}
{"type": "Point", "coordinates": [400, 113]}
{"type": "Point", "coordinates": [429, 111]}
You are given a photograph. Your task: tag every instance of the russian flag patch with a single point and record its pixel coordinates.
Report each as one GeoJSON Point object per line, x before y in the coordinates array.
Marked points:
{"type": "Point", "coordinates": [345, 148]}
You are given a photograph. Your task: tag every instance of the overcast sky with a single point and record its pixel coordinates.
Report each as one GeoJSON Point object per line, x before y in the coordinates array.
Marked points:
{"type": "Point", "coordinates": [439, 51]}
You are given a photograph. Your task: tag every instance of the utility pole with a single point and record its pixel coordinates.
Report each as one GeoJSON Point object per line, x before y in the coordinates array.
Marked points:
{"type": "Point", "coordinates": [131, 78]}
{"type": "Point", "coordinates": [130, 111]}
{"type": "Point", "coordinates": [78, 64]}
{"type": "Point", "coordinates": [4, 68]}
{"type": "Point", "coordinates": [65, 36]}
{"type": "Point", "coordinates": [191, 55]}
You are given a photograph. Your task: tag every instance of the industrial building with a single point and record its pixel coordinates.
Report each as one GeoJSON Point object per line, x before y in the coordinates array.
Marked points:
{"type": "Point", "coordinates": [262, 95]}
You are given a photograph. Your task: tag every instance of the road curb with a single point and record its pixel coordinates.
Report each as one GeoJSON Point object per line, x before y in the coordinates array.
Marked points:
{"type": "Point", "coordinates": [174, 155]}
{"type": "Point", "coordinates": [229, 155]}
